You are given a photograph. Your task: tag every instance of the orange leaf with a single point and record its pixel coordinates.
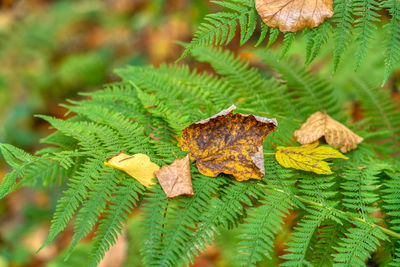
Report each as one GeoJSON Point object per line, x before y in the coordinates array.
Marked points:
{"type": "Point", "coordinates": [336, 134]}
{"type": "Point", "coordinates": [175, 178]}
{"type": "Point", "coordinates": [228, 143]}
{"type": "Point", "coordinates": [294, 15]}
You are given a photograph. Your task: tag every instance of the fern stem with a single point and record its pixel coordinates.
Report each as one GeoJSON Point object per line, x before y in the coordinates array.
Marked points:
{"type": "Point", "coordinates": [310, 202]}
{"type": "Point", "coordinates": [269, 153]}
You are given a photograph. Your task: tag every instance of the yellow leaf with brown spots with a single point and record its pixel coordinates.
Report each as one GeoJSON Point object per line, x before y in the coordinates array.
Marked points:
{"type": "Point", "coordinates": [228, 143]}
{"type": "Point", "coordinates": [294, 15]}
{"type": "Point", "coordinates": [307, 157]}
{"type": "Point", "coordinates": [139, 166]}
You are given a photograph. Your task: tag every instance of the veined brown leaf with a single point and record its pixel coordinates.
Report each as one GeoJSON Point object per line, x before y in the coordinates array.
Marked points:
{"type": "Point", "coordinates": [336, 134]}
{"type": "Point", "coordinates": [294, 15]}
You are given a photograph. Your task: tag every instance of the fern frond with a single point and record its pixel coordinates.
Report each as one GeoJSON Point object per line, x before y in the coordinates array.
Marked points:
{"type": "Point", "coordinates": [226, 211]}
{"type": "Point", "coordinates": [392, 41]}
{"type": "Point", "coordinates": [364, 26]}
{"type": "Point", "coordinates": [263, 34]}
{"type": "Point", "coordinates": [298, 248]}
{"type": "Point", "coordinates": [391, 200]}
{"type": "Point", "coordinates": [382, 113]}
{"type": "Point", "coordinates": [155, 210]}
{"type": "Point", "coordinates": [14, 155]}
{"type": "Point", "coordinates": [73, 197]}
{"type": "Point", "coordinates": [319, 36]}
{"type": "Point", "coordinates": [391, 206]}
{"type": "Point", "coordinates": [182, 87]}
{"type": "Point", "coordinates": [343, 19]}
{"type": "Point", "coordinates": [101, 191]}
{"type": "Point", "coordinates": [88, 173]}
{"type": "Point", "coordinates": [288, 39]}
{"type": "Point", "coordinates": [124, 199]}
{"type": "Point", "coordinates": [328, 237]}
{"type": "Point", "coordinates": [312, 92]}
{"type": "Point", "coordinates": [60, 140]}
{"type": "Point", "coordinates": [355, 247]}
{"type": "Point", "coordinates": [219, 28]}
{"type": "Point", "coordinates": [396, 257]}
{"type": "Point", "coordinates": [316, 187]}
{"type": "Point", "coordinates": [158, 109]}
{"type": "Point", "coordinates": [359, 187]}
{"type": "Point", "coordinates": [184, 216]}
{"type": "Point", "coordinates": [27, 169]}
{"type": "Point", "coordinates": [236, 71]}
{"type": "Point", "coordinates": [273, 35]}
{"type": "Point", "coordinates": [129, 133]}
{"type": "Point", "coordinates": [277, 176]}
{"type": "Point", "coordinates": [258, 233]}
{"type": "Point", "coordinates": [248, 23]}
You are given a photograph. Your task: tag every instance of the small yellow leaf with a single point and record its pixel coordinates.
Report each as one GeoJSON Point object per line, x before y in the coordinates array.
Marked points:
{"type": "Point", "coordinates": [139, 166]}
{"type": "Point", "coordinates": [308, 157]}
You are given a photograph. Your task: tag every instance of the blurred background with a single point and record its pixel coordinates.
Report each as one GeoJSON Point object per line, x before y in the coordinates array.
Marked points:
{"type": "Point", "coordinates": [51, 50]}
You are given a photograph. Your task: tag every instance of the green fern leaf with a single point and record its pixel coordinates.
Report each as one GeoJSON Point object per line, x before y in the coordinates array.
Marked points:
{"type": "Point", "coordinates": [126, 196]}
{"type": "Point", "coordinates": [367, 12]}
{"type": "Point", "coordinates": [343, 19]}
{"type": "Point", "coordinates": [298, 248]}
{"type": "Point", "coordinates": [258, 233]}
{"type": "Point", "coordinates": [392, 42]}
{"type": "Point", "coordinates": [354, 248]}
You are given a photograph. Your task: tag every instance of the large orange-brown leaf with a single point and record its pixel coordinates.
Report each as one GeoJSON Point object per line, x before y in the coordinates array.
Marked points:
{"type": "Point", "coordinates": [336, 134]}
{"type": "Point", "coordinates": [294, 15]}
{"type": "Point", "coordinates": [228, 143]}
{"type": "Point", "coordinates": [175, 179]}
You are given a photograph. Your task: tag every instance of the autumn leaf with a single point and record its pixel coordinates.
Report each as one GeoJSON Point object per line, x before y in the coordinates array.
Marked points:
{"type": "Point", "coordinates": [228, 143]}
{"type": "Point", "coordinates": [294, 15]}
{"type": "Point", "coordinates": [307, 157]}
{"type": "Point", "coordinates": [175, 179]}
{"type": "Point", "coordinates": [139, 166]}
{"type": "Point", "coordinates": [336, 134]}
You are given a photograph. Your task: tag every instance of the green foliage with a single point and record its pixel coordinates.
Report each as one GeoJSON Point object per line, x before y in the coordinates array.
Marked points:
{"type": "Point", "coordinates": [333, 225]}
{"type": "Point", "coordinates": [257, 235]}
{"type": "Point", "coordinates": [354, 249]}
{"type": "Point", "coordinates": [392, 43]}
{"type": "Point", "coordinates": [351, 17]}
{"type": "Point", "coordinates": [382, 113]}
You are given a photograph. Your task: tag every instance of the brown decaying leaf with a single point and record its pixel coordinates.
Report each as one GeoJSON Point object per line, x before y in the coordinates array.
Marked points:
{"type": "Point", "coordinates": [228, 143]}
{"type": "Point", "coordinates": [175, 178]}
{"type": "Point", "coordinates": [294, 15]}
{"type": "Point", "coordinates": [336, 134]}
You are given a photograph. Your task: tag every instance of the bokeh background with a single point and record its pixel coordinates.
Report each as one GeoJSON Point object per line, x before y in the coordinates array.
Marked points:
{"type": "Point", "coordinates": [51, 50]}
